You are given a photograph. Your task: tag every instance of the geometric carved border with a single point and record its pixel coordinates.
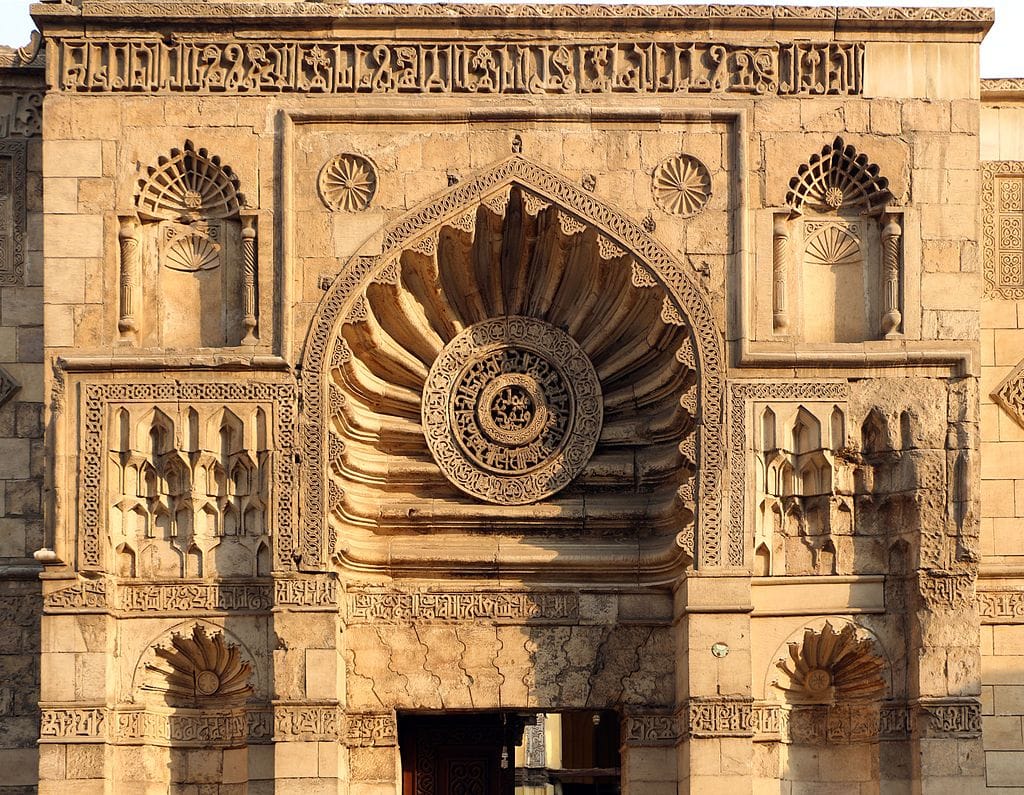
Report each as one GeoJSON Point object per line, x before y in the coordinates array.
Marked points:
{"type": "Point", "coordinates": [1002, 235]}
{"type": "Point", "coordinates": [742, 394]}
{"type": "Point", "coordinates": [1010, 394]}
{"type": "Point", "coordinates": [686, 296]}
{"type": "Point", "coordinates": [12, 259]}
{"type": "Point", "coordinates": [93, 519]}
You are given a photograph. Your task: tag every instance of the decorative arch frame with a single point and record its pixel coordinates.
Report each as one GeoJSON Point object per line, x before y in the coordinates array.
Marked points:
{"type": "Point", "coordinates": [658, 266]}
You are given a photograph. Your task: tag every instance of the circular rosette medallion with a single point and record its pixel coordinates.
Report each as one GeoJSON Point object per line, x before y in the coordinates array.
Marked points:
{"type": "Point", "coordinates": [512, 410]}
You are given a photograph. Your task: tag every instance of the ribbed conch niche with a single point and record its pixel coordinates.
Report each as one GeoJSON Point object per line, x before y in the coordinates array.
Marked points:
{"type": "Point", "coordinates": [513, 363]}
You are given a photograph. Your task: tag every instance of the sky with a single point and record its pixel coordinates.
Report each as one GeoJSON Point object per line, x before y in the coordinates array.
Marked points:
{"type": "Point", "coordinates": [1001, 53]}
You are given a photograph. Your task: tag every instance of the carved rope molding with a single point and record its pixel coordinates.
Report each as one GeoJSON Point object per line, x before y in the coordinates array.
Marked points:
{"type": "Point", "coordinates": [456, 67]}
{"type": "Point", "coordinates": [686, 296]}
{"type": "Point", "coordinates": [93, 516]}
{"type": "Point", "coordinates": [742, 395]}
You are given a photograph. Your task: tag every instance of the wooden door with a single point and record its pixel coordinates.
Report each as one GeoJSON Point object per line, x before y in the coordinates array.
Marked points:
{"type": "Point", "coordinates": [455, 755]}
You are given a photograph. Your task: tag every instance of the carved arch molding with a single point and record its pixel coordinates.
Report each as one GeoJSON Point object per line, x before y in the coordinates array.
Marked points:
{"type": "Point", "coordinates": [519, 353]}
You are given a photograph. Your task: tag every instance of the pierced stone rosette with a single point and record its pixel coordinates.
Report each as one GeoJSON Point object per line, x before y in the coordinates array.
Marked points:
{"type": "Point", "coordinates": [512, 410]}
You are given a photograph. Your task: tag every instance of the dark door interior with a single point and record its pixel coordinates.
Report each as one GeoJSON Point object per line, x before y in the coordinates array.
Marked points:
{"type": "Point", "coordinates": [456, 754]}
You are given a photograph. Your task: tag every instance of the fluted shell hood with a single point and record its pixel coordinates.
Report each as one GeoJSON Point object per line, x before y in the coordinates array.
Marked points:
{"type": "Point", "coordinates": [513, 365]}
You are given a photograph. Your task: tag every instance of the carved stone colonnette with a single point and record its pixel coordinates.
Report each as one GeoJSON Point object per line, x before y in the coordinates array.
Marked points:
{"type": "Point", "coordinates": [251, 67]}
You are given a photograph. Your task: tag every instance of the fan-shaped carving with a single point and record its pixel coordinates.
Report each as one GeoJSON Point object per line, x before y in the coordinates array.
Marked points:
{"type": "Point", "coordinates": [188, 185]}
{"type": "Point", "coordinates": [191, 248]}
{"type": "Point", "coordinates": [532, 344]}
{"type": "Point", "coordinates": [682, 185]}
{"type": "Point", "coordinates": [829, 666]}
{"type": "Point", "coordinates": [201, 669]}
{"type": "Point", "coordinates": [347, 182]}
{"type": "Point", "coordinates": [838, 178]}
{"type": "Point", "coordinates": [832, 245]}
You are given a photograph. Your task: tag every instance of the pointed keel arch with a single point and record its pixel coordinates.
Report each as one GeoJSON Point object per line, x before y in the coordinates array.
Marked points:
{"type": "Point", "coordinates": [434, 278]}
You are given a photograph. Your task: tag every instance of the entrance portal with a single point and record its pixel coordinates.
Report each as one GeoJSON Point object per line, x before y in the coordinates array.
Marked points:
{"type": "Point", "coordinates": [511, 753]}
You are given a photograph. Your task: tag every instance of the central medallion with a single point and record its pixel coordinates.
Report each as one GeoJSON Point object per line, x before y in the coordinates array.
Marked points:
{"type": "Point", "coordinates": [512, 410]}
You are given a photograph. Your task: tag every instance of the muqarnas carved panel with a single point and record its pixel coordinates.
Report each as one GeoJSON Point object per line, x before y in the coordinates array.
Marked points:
{"type": "Point", "coordinates": [187, 480]}
{"type": "Point", "coordinates": [12, 212]}
{"type": "Point", "coordinates": [1002, 229]}
{"type": "Point", "coordinates": [804, 504]}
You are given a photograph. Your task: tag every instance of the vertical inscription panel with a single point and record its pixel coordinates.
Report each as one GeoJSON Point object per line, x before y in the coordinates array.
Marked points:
{"type": "Point", "coordinates": [12, 212]}
{"type": "Point", "coordinates": [1002, 206]}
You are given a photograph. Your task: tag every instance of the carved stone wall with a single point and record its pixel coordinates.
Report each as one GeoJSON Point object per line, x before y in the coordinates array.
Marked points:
{"type": "Point", "coordinates": [21, 417]}
{"type": "Point", "coordinates": [373, 333]}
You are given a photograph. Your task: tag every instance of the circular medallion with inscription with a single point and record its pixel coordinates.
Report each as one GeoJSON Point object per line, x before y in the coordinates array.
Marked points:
{"type": "Point", "coordinates": [512, 410]}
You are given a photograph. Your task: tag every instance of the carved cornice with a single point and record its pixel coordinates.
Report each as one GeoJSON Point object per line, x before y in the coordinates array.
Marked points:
{"type": "Point", "coordinates": [1002, 88]}
{"type": "Point", "coordinates": [973, 18]}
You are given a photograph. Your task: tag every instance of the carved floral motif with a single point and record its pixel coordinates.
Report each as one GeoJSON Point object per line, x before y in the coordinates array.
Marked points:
{"type": "Point", "coordinates": [682, 185]}
{"type": "Point", "coordinates": [347, 182]}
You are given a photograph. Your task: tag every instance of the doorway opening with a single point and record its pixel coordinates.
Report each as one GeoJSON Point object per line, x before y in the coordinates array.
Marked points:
{"type": "Point", "coordinates": [511, 753]}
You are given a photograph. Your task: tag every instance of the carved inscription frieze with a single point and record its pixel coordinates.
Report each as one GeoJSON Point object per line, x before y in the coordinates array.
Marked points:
{"type": "Point", "coordinates": [310, 593]}
{"type": "Point", "coordinates": [305, 721]}
{"type": "Point", "coordinates": [86, 595]}
{"type": "Point", "coordinates": [720, 717]}
{"type": "Point", "coordinates": [200, 729]}
{"type": "Point", "coordinates": [948, 719]}
{"type": "Point", "coordinates": [12, 212]}
{"type": "Point", "coordinates": [191, 597]}
{"type": "Point", "coordinates": [1001, 606]}
{"type": "Point", "coordinates": [371, 729]}
{"type": "Point", "coordinates": [651, 730]}
{"type": "Point", "coordinates": [83, 723]}
{"type": "Point", "coordinates": [251, 67]}
{"type": "Point", "coordinates": [21, 114]}
{"type": "Point", "coordinates": [401, 607]}
{"type": "Point", "coordinates": [1002, 229]}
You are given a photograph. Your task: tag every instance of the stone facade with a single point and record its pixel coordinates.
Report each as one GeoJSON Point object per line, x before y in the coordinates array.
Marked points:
{"type": "Point", "coordinates": [388, 362]}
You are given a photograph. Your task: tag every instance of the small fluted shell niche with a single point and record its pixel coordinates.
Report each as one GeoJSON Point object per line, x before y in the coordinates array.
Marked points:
{"type": "Point", "coordinates": [200, 668]}
{"type": "Point", "coordinates": [347, 183]}
{"type": "Point", "coordinates": [682, 185]}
